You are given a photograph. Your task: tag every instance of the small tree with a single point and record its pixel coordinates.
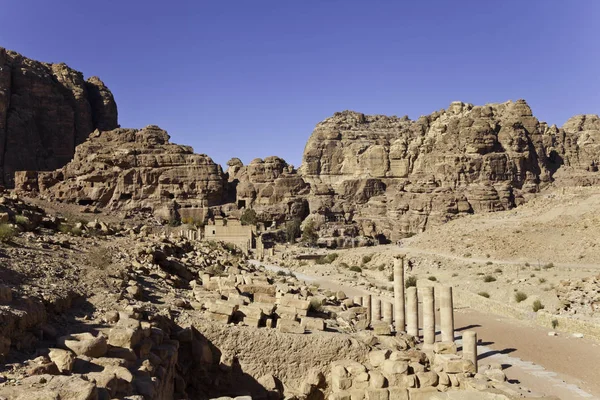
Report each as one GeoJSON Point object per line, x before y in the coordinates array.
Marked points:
{"type": "Point", "coordinates": [292, 230]}
{"type": "Point", "coordinates": [249, 217]}
{"type": "Point", "coordinates": [309, 234]}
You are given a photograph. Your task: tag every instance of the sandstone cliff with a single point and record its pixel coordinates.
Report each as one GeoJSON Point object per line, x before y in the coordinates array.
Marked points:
{"type": "Point", "coordinates": [393, 176]}
{"type": "Point", "coordinates": [45, 111]}
{"type": "Point", "coordinates": [363, 178]}
{"type": "Point", "coordinates": [134, 169]}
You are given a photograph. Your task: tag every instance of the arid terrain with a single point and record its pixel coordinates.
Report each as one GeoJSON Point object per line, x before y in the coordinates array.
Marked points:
{"type": "Point", "coordinates": [456, 256]}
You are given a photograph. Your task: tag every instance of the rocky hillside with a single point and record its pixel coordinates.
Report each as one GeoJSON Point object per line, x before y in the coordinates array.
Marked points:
{"type": "Point", "coordinates": [45, 111]}
{"type": "Point", "coordinates": [134, 169]}
{"type": "Point", "coordinates": [363, 178]}
{"type": "Point", "coordinates": [394, 176]}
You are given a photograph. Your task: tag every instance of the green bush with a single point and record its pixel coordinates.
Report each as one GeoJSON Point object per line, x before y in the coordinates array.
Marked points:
{"type": "Point", "coordinates": [21, 220]}
{"type": "Point", "coordinates": [484, 294]}
{"type": "Point", "coordinates": [381, 267]}
{"type": "Point", "coordinates": [467, 255]}
{"type": "Point", "coordinates": [454, 275]}
{"type": "Point", "coordinates": [7, 232]}
{"type": "Point", "coordinates": [315, 305]}
{"type": "Point", "coordinates": [520, 296]}
{"type": "Point", "coordinates": [367, 259]}
{"type": "Point", "coordinates": [542, 280]}
{"type": "Point", "coordinates": [354, 268]}
{"type": "Point", "coordinates": [292, 230]}
{"type": "Point", "coordinates": [537, 305]}
{"type": "Point", "coordinates": [249, 217]}
{"type": "Point", "coordinates": [432, 278]}
{"type": "Point", "coordinates": [554, 323]}
{"type": "Point", "coordinates": [391, 277]}
{"type": "Point", "coordinates": [498, 270]}
{"type": "Point", "coordinates": [321, 260]}
{"type": "Point", "coordinates": [192, 221]}
{"type": "Point", "coordinates": [489, 278]}
{"type": "Point", "coordinates": [309, 234]}
{"type": "Point", "coordinates": [331, 257]}
{"type": "Point", "coordinates": [344, 265]}
{"type": "Point", "coordinates": [488, 263]}
{"type": "Point", "coordinates": [549, 265]}
{"type": "Point", "coordinates": [411, 281]}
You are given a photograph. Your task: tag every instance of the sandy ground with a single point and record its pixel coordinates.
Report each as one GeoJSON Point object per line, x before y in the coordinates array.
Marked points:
{"type": "Point", "coordinates": [561, 366]}
{"type": "Point", "coordinates": [561, 226]}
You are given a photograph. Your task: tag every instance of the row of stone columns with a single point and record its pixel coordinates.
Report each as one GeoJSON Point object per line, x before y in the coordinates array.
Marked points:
{"type": "Point", "coordinates": [404, 312]}
{"type": "Point", "coordinates": [407, 315]}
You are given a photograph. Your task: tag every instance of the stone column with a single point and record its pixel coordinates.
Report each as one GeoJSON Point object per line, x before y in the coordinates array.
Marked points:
{"type": "Point", "coordinates": [366, 302]}
{"type": "Point", "coordinates": [358, 300]}
{"type": "Point", "coordinates": [399, 323]}
{"type": "Point", "coordinates": [469, 345]}
{"type": "Point", "coordinates": [376, 312]}
{"type": "Point", "coordinates": [412, 312]}
{"type": "Point", "coordinates": [446, 313]}
{"type": "Point", "coordinates": [388, 312]}
{"type": "Point", "coordinates": [428, 316]}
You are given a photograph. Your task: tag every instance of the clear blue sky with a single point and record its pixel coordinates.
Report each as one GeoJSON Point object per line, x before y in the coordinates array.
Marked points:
{"type": "Point", "coordinates": [251, 78]}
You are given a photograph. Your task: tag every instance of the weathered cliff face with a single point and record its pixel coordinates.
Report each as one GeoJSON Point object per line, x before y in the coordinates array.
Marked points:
{"type": "Point", "coordinates": [363, 177]}
{"type": "Point", "coordinates": [271, 187]}
{"type": "Point", "coordinates": [45, 111]}
{"type": "Point", "coordinates": [134, 169]}
{"type": "Point", "coordinates": [393, 176]}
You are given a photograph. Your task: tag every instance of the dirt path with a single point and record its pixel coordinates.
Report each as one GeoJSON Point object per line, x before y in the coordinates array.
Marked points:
{"type": "Point", "coordinates": [560, 366]}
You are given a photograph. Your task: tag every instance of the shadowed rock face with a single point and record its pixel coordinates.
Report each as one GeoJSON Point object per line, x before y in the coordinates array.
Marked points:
{"type": "Point", "coordinates": [45, 111]}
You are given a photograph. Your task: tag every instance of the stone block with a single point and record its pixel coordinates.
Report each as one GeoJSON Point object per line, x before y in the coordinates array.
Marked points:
{"type": "Point", "coordinates": [250, 312]}
{"type": "Point", "coordinates": [225, 309]}
{"type": "Point", "coordinates": [85, 344]}
{"type": "Point", "coordinates": [340, 396]}
{"type": "Point", "coordinates": [377, 394]}
{"type": "Point", "coordinates": [340, 384]}
{"type": "Point", "coordinates": [124, 337]}
{"type": "Point", "coordinates": [389, 367]}
{"type": "Point", "coordinates": [357, 394]}
{"type": "Point", "coordinates": [427, 379]}
{"type": "Point", "coordinates": [444, 348]}
{"type": "Point", "coordinates": [218, 317]}
{"type": "Point", "coordinates": [264, 298]}
{"type": "Point", "coordinates": [377, 357]}
{"type": "Point", "coordinates": [382, 328]}
{"type": "Point", "coordinates": [377, 380]}
{"type": "Point", "coordinates": [290, 301]}
{"type": "Point", "coordinates": [398, 393]}
{"type": "Point", "coordinates": [313, 324]}
{"type": "Point", "coordinates": [428, 393]}
{"type": "Point", "coordinates": [63, 359]}
{"type": "Point", "coordinates": [289, 326]}
{"type": "Point", "coordinates": [254, 289]}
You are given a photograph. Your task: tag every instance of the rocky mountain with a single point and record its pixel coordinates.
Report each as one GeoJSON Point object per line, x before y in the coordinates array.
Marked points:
{"type": "Point", "coordinates": [134, 169]}
{"type": "Point", "coordinates": [45, 111]}
{"type": "Point", "coordinates": [363, 178]}
{"type": "Point", "coordinates": [393, 177]}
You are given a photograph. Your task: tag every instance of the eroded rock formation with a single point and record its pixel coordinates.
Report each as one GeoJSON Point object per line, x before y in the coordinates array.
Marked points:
{"type": "Point", "coordinates": [363, 178]}
{"type": "Point", "coordinates": [393, 176]}
{"type": "Point", "coordinates": [270, 186]}
{"type": "Point", "coordinates": [45, 111]}
{"type": "Point", "coordinates": [134, 169]}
